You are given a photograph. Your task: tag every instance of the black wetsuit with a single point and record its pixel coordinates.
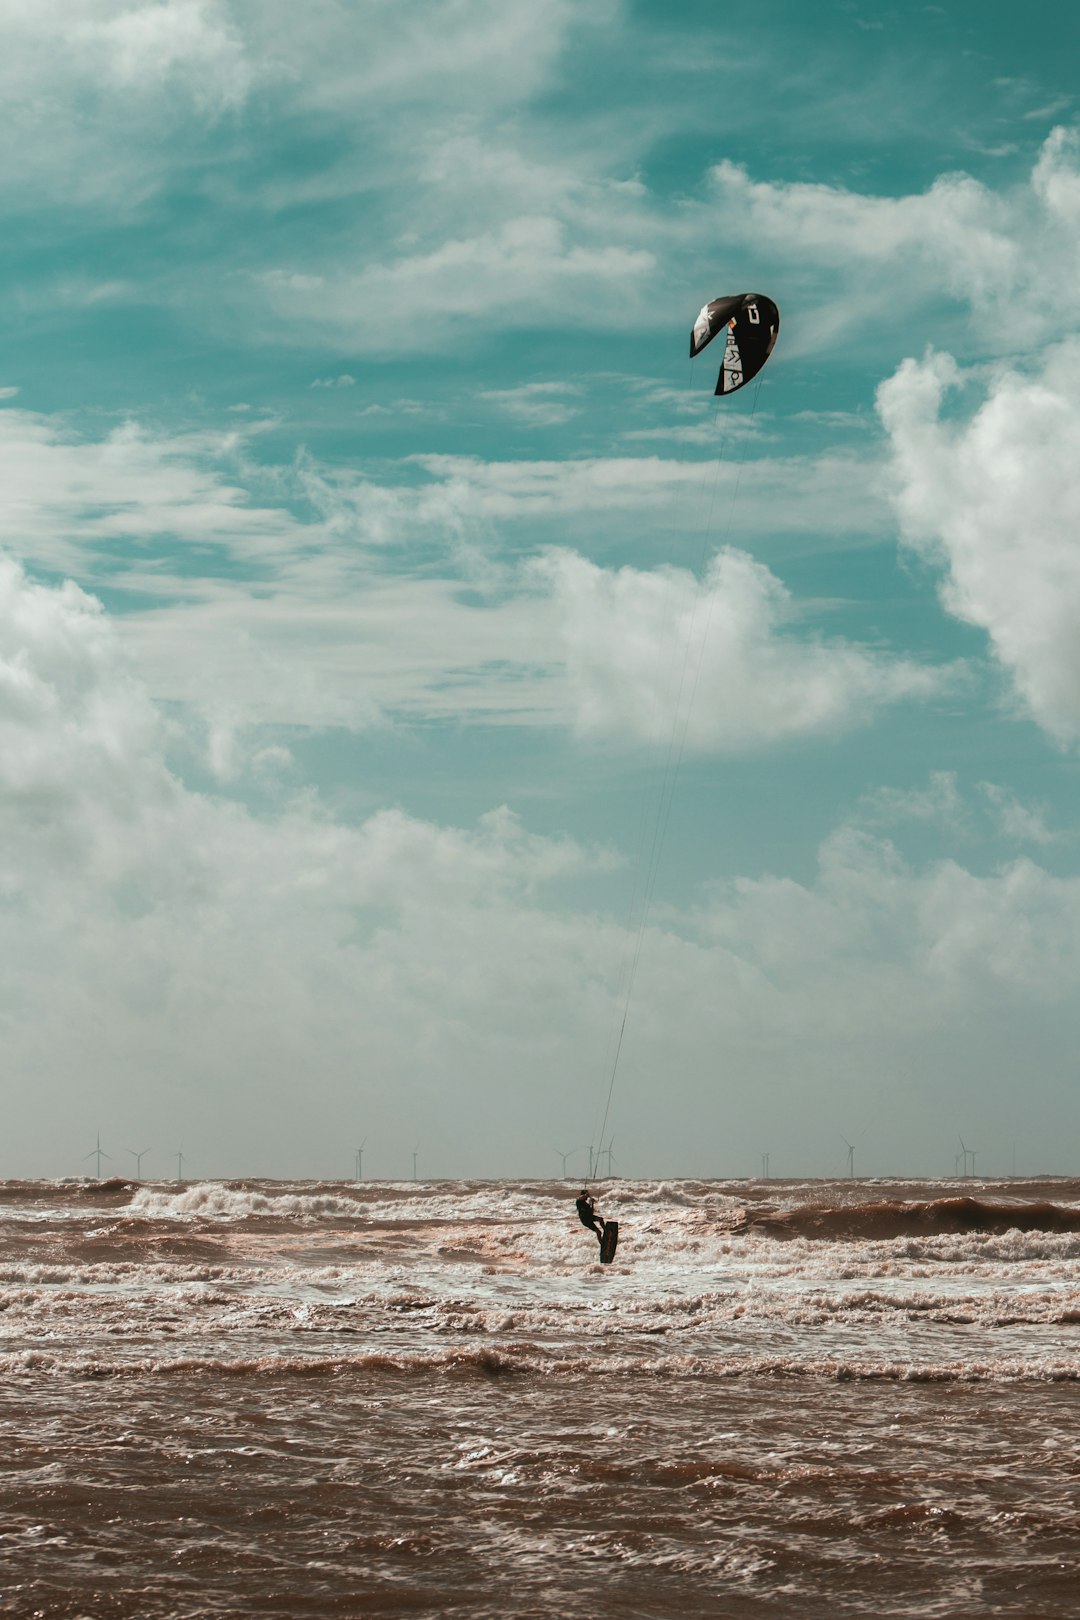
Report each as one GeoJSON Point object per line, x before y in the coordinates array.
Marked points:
{"type": "Point", "coordinates": [588, 1217]}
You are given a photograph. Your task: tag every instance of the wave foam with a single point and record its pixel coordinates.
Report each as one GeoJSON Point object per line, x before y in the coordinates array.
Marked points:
{"type": "Point", "coordinates": [527, 1360]}
{"type": "Point", "coordinates": [212, 1200]}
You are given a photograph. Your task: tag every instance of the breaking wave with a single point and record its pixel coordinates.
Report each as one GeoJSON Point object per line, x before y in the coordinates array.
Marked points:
{"type": "Point", "coordinates": [532, 1361]}
{"type": "Point", "coordinates": [892, 1218]}
{"type": "Point", "coordinates": [213, 1200]}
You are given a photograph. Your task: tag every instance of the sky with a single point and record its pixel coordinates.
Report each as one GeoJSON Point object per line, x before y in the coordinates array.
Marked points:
{"type": "Point", "coordinates": [410, 674]}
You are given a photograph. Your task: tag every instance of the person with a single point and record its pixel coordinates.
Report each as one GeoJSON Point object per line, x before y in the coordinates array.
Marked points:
{"type": "Point", "coordinates": [587, 1213]}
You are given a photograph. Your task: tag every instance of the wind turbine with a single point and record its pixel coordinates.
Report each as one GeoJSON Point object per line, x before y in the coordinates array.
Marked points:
{"type": "Point", "coordinates": [138, 1157]}
{"type": "Point", "coordinates": [764, 1167]}
{"type": "Point", "coordinates": [969, 1153]}
{"type": "Point", "coordinates": [606, 1153]}
{"type": "Point", "coordinates": [850, 1155]}
{"type": "Point", "coordinates": [414, 1152]}
{"type": "Point", "coordinates": [98, 1154]}
{"type": "Point", "coordinates": [360, 1160]}
{"type": "Point", "coordinates": [564, 1156]}
{"type": "Point", "coordinates": [179, 1165]}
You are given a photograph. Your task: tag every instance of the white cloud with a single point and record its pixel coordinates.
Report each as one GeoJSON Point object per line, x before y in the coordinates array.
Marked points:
{"type": "Point", "coordinates": [102, 98]}
{"type": "Point", "coordinates": [484, 54]}
{"type": "Point", "coordinates": [942, 806]}
{"type": "Point", "coordinates": [70, 503]}
{"type": "Point", "coordinates": [105, 99]}
{"type": "Point", "coordinates": [703, 433]}
{"type": "Point", "coordinates": [477, 210]}
{"type": "Point", "coordinates": [957, 223]}
{"type": "Point", "coordinates": [290, 280]}
{"type": "Point", "coordinates": [1009, 255]}
{"type": "Point", "coordinates": [156, 938]}
{"type": "Point", "coordinates": [514, 232]}
{"type": "Point", "coordinates": [252, 985]}
{"type": "Point", "coordinates": [993, 499]}
{"type": "Point", "coordinates": [538, 404]}
{"type": "Point", "coordinates": [656, 655]}
{"type": "Point", "coordinates": [391, 649]}
{"type": "Point", "coordinates": [261, 617]}
{"type": "Point", "coordinates": [70, 714]}
{"type": "Point", "coordinates": [1023, 823]}
{"type": "Point", "coordinates": [911, 944]}
{"type": "Point", "coordinates": [143, 47]}
{"type": "Point", "coordinates": [49, 293]}
{"type": "Point", "coordinates": [80, 749]}
{"type": "Point", "coordinates": [526, 271]}
{"type": "Point", "coordinates": [835, 493]}
{"type": "Point", "coordinates": [939, 802]}
{"type": "Point", "coordinates": [560, 643]}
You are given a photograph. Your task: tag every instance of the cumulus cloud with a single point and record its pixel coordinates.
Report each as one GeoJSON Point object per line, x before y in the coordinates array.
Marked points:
{"type": "Point", "coordinates": [717, 662]}
{"type": "Point", "coordinates": [277, 598]}
{"type": "Point", "coordinates": [990, 496]}
{"type": "Point", "coordinates": [959, 228]}
{"type": "Point", "coordinates": [921, 940]}
{"type": "Point", "coordinates": [73, 720]}
{"type": "Point", "coordinates": [475, 190]}
{"type": "Point", "coordinates": [998, 252]}
{"type": "Point", "coordinates": [259, 982]}
{"type": "Point", "coordinates": [513, 239]}
{"type": "Point", "coordinates": [562, 643]}
{"type": "Point", "coordinates": [180, 936]}
{"type": "Point", "coordinates": [143, 47]}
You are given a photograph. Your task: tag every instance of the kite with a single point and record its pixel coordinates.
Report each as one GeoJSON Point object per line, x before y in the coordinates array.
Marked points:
{"type": "Point", "coordinates": [751, 322]}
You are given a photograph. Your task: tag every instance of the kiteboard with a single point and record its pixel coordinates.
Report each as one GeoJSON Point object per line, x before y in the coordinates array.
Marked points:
{"type": "Point", "coordinates": [608, 1242]}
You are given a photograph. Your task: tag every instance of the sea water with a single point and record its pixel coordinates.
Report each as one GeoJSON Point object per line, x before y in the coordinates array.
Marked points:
{"type": "Point", "coordinates": [782, 1399]}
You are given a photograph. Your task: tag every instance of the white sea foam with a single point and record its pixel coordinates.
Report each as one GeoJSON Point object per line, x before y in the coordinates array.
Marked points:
{"type": "Point", "coordinates": [508, 1263]}
{"type": "Point", "coordinates": [211, 1200]}
{"type": "Point", "coordinates": [337, 1373]}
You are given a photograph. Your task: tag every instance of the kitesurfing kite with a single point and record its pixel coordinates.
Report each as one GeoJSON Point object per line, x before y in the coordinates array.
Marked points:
{"type": "Point", "coordinates": [752, 322]}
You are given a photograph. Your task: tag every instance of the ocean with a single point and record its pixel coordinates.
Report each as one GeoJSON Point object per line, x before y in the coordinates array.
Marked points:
{"type": "Point", "coordinates": [783, 1399]}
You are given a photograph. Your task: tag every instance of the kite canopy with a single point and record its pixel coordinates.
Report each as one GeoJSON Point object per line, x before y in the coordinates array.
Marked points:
{"type": "Point", "coordinates": [752, 322]}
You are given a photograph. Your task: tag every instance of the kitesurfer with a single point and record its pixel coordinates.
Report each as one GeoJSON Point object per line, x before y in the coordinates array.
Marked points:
{"type": "Point", "coordinates": [587, 1213]}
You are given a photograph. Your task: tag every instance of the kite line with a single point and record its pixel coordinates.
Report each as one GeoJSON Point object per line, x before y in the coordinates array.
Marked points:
{"type": "Point", "coordinates": [752, 322]}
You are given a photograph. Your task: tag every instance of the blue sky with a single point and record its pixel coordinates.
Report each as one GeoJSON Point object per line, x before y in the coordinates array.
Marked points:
{"type": "Point", "coordinates": [368, 540]}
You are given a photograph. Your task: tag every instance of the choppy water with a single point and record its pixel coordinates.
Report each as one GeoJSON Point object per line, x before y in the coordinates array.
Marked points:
{"type": "Point", "coordinates": [814, 1399]}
